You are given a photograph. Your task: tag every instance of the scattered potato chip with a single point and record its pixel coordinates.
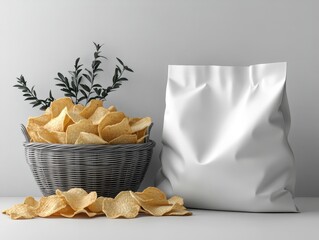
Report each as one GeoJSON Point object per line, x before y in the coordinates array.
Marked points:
{"type": "Point", "coordinates": [49, 205]}
{"type": "Point", "coordinates": [73, 131]}
{"type": "Point", "coordinates": [58, 123]}
{"type": "Point", "coordinates": [111, 132]}
{"type": "Point", "coordinates": [123, 205]}
{"type": "Point", "coordinates": [89, 138]}
{"type": "Point", "coordinates": [68, 212]}
{"type": "Point", "coordinates": [30, 201]}
{"type": "Point", "coordinates": [98, 115]}
{"type": "Point", "coordinates": [20, 211]}
{"type": "Point", "coordinates": [125, 139]}
{"type": "Point", "coordinates": [141, 124]}
{"type": "Point", "coordinates": [126, 204]}
{"type": "Point", "coordinates": [90, 108]}
{"type": "Point", "coordinates": [110, 119]}
{"type": "Point", "coordinates": [59, 104]}
{"type": "Point", "coordinates": [78, 198]}
{"type": "Point", "coordinates": [97, 206]}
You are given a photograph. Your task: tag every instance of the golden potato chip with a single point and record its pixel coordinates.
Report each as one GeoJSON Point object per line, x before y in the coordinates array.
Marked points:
{"type": "Point", "coordinates": [141, 134]}
{"type": "Point", "coordinates": [78, 198]}
{"type": "Point", "coordinates": [52, 137]}
{"type": "Point", "coordinates": [90, 108]}
{"type": "Point", "coordinates": [141, 124]}
{"type": "Point", "coordinates": [46, 136]}
{"type": "Point", "coordinates": [98, 115]}
{"type": "Point", "coordinates": [124, 139]}
{"type": "Point", "coordinates": [58, 123]}
{"type": "Point", "coordinates": [142, 139]}
{"type": "Point", "coordinates": [74, 117]}
{"type": "Point", "coordinates": [134, 120]}
{"type": "Point", "coordinates": [97, 206]}
{"type": "Point", "coordinates": [40, 120]}
{"type": "Point", "coordinates": [73, 131]}
{"type": "Point", "coordinates": [110, 119]}
{"type": "Point", "coordinates": [182, 212]}
{"type": "Point", "coordinates": [49, 205]}
{"type": "Point", "coordinates": [152, 194]}
{"type": "Point", "coordinates": [68, 212]}
{"type": "Point", "coordinates": [89, 138]}
{"type": "Point", "coordinates": [48, 111]}
{"type": "Point", "coordinates": [33, 129]}
{"type": "Point", "coordinates": [20, 211]}
{"type": "Point", "coordinates": [30, 201]}
{"type": "Point", "coordinates": [111, 132]}
{"type": "Point", "coordinates": [112, 109]}
{"type": "Point", "coordinates": [123, 205]}
{"type": "Point", "coordinates": [59, 104]}
{"type": "Point", "coordinates": [77, 108]}
{"type": "Point", "coordinates": [176, 199]}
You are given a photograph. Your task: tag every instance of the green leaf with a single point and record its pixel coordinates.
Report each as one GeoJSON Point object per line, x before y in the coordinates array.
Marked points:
{"type": "Point", "coordinates": [85, 87]}
{"type": "Point", "coordinates": [120, 61]}
{"type": "Point", "coordinates": [128, 69]}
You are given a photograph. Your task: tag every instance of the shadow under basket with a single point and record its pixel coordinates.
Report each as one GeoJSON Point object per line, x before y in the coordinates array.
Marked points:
{"type": "Point", "coordinates": [106, 169]}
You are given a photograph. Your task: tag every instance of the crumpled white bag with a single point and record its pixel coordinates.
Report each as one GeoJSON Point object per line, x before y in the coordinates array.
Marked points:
{"type": "Point", "coordinates": [225, 141]}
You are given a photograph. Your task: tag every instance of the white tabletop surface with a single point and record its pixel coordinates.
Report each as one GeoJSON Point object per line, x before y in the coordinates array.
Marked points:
{"type": "Point", "coordinates": [202, 225]}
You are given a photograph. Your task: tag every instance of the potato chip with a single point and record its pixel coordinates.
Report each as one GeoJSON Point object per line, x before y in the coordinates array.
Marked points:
{"type": "Point", "coordinates": [49, 205]}
{"type": "Point", "coordinates": [142, 133]}
{"type": "Point", "coordinates": [77, 108]}
{"type": "Point", "coordinates": [58, 123]}
{"type": "Point", "coordinates": [112, 109]}
{"type": "Point", "coordinates": [89, 138]}
{"type": "Point", "coordinates": [123, 205]}
{"type": "Point", "coordinates": [176, 199]}
{"type": "Point", "coordinates": [48, 111]}
{"type": "Point", "coordinates": [20, 211]}
{"type": "Point", "coordinates": [73, 131]}
{"type": "Point", "coordinates": [98, 115]}
{"type": "Point", "coordinates": [74, 117]}
{"type": "Point", "coordinates": [97, 206]}
{"type": "Point", "coordinates": [141, 124]}
{"type": "Point", "coordinates": [59, 104]}
{"type": "Point", "coordinates": [110, 119]}
{"type": "Point", "coordinates": [142, 139]}
{"type": "Point", "coordinates": [134, 120]}
{"type": "Point", "coordinates": [113, 131]}
{"type": "Point", "coordinates": [90, 108]}
{"type": "Point", "coordinates": [125, 139]}
{"type": "Point", "coordinates": [52, 137]}
{"type": "Point", "coordinates": [68, 212]}
{"type": "Point", "coordinates": [78, 198]}
{"type": "Point", "coordinates": [40, 120]}
{"type": "Point", "coordinates": [152, 193]}
{"type": "Point", "coordinates": [30, 201]}
{"type": "Point", "coordinates": [33, 129]}
{"type": "Point", "coordinates": [182, 212]}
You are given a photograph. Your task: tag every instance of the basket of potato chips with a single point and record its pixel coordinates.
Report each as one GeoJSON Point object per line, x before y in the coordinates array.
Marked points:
{"type": "Point", "coordinates": [91, 147]}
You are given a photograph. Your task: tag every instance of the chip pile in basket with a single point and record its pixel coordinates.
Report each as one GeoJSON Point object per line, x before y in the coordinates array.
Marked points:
{"type": "Point", "coordinates": [126, 204]}
{"type": "Point", "coordinates": [66, 123]}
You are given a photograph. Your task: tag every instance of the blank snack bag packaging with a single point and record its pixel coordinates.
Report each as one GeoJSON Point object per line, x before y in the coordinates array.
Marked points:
{"type": "Point", "coordinates": [225, 141]}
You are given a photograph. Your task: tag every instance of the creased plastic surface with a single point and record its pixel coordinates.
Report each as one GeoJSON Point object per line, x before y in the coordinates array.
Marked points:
{"type": "Point", "coordinates": [225, 141]}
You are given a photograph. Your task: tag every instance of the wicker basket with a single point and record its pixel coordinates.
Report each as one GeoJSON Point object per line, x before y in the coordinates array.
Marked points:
{"type": "Point", "coordinates": [106, 169]}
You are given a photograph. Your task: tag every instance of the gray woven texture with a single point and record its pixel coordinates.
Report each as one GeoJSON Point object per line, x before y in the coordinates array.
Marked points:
{"type": "Point", "coordinates": [106, 169]}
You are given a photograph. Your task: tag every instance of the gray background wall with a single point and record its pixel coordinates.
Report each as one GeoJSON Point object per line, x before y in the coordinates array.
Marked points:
{"type": "Point", "coordinates": [39, 38]}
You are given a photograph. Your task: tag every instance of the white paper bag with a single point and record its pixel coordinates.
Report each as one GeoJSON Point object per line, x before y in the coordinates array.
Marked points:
{"type": "Point", "coordinates": [225, 141]}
